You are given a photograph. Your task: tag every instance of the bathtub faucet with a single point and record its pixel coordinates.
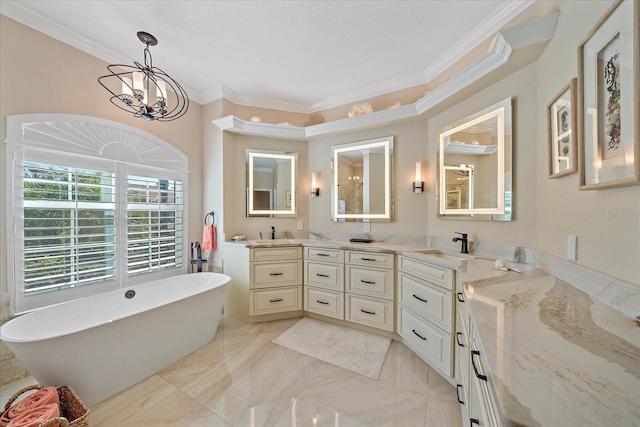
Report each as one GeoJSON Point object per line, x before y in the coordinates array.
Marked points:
{"type": "Point", "coordinates": [465, 242]}
{"type": "Point", "coordinates": [197, 260]}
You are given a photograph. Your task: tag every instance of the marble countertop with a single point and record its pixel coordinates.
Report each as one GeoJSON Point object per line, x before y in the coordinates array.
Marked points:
{"type": "Point", "coordinates": [557, 356]}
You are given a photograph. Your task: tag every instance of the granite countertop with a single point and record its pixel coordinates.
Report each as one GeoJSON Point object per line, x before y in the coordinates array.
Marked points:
{"type": "Point", "coordinates": [557, 356]}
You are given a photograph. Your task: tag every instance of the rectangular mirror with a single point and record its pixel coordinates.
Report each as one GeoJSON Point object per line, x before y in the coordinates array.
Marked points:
{"type": "Point", "coordinates": [475, 166]}
{"type": "Point", "coordinates": [362, 184]}
{"type": "Point", "coordinates": [271, 183]}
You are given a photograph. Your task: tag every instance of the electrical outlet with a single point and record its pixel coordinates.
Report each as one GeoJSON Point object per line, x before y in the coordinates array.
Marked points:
{"type": "Point", "coordinates": [572, 247]}
{"type": "Point", "coordinates": [300, 225]}
{"type": "Point", "coordinates": [367, 227]}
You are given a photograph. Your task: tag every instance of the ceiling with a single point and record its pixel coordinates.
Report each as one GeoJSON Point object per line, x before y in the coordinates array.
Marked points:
{"type": "Point", "coordinates": [300, 56]}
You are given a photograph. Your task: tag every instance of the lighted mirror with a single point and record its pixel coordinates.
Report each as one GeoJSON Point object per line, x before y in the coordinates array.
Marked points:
{"type": "Point", "coordinates": [271, 183]}
{"type": "Point", "coordinates": [475, 166]}
{"type": "Point", "coordinates": [362, 184]}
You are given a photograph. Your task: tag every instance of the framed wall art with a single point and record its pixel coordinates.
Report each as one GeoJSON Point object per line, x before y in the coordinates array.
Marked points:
{"type": "Point", "coordinates": [562, 123]}
{"type": "Point", "coordinates": [609, 100]}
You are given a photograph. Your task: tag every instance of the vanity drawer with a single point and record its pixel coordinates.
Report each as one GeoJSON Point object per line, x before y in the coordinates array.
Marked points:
{"type": "Point", "coordinates": [321, 301]}
{"type": "Point", "coordinates": [369, 281]}
{"type": "Point", "coordinates": [329, 276]}
{"type": "Point", "coordinates": [428, 341]}
{"type": "Point", "coordinates": [272, 274]}
{"type": "Point", "coordinates": [369, 311]}
{"type": "Point", "coordinates": [275, 254]}
{"type": "Point", "coordinates": [423, 270]}
{"type": "Point", "coordinates": [433, 302]}
{"type": "Point", "coordinates": [370, 259]}
{"type": "Point", "coordinates": [277, 300]}
{"type": "Point", "coordinates": [324, 255]}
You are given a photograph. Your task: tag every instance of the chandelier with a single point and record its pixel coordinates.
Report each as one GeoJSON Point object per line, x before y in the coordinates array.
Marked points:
{"type": "Point", "coordinates": [144, 88]}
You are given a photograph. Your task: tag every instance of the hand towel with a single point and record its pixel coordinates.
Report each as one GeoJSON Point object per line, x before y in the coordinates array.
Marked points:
{"type": "Point", "coordinates": [44, 396]}
{"type": "Point", "coordinates": [209, 238]}
{"type": "Point", "coordinates": [35, 416]}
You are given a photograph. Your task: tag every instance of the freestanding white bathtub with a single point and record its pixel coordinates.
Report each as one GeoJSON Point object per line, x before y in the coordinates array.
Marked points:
{"type": "Point", "coordinates": [103, 344]}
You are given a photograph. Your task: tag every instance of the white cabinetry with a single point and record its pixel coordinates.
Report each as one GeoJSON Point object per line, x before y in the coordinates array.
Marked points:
{"type": "Point", "coordinates": [369, 289]}
{"type": "Point", "coordinates": [324, 281]}
{"type": "Point", "coordinates": [266, 282]}
{"type": "Point", "coordinates": [425, 311]}
{"type": "Point", "coordinates": [474, 393]}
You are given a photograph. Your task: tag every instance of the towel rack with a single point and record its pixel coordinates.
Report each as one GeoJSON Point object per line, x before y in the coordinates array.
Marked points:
{"type": "Point", "coordinates": [213, 218]}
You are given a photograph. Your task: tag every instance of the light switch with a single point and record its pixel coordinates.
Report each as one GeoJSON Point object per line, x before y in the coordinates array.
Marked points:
{"type": "Point", "coordinates": [367, 227]}
{"type": "Point", "coordinates": [572, 247]}
{"type": "Point", "coordinates": [300, 225]}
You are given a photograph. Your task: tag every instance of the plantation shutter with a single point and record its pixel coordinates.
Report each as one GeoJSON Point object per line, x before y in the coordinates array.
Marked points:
{"type": "Point", "coordinates": [69, 227]}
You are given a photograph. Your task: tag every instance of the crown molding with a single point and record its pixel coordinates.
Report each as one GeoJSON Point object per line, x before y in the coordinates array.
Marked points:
{"type": "Point", "coordinates": [539, 30]}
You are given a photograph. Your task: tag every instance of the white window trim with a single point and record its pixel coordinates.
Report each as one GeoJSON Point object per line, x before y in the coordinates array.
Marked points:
{"type": "Point", "coordinates": [85, 142]}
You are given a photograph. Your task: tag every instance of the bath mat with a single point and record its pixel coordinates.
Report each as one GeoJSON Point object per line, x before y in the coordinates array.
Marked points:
{"type": "Point", "coordinates": [358, 351]}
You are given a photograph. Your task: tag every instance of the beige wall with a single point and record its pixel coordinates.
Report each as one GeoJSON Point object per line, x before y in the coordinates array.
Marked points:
{"type": "Point", "coordinates": [41, 75]}
{"type": "Point", "coordinates": [607, 222]}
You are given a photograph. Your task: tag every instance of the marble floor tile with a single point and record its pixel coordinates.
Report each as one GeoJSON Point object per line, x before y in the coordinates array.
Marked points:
{"type": "Point", "coordinates": [242, 379]}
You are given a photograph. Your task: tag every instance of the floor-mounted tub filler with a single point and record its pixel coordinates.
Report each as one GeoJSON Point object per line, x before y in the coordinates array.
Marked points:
{"type": "Point", "coordinates": [103, 344]}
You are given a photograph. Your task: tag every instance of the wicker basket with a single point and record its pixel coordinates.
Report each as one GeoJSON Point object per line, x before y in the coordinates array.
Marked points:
{"type": "Point", "coordinates": [73, 410]}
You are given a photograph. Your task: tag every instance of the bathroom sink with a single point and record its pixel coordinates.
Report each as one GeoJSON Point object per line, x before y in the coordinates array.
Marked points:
{"type": "Point", "coordinates": [274, 241]}
{"type": "Point", "coordinates": [447, 257]}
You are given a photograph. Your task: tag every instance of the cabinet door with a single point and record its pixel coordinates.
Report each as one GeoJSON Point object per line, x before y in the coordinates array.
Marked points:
{"type": "Point", "coordinates": [325, 302]}
{"type": "Point", "coordinates": [439, 275]}
{"type": "Point", "coordinates": [429, 300]}
{"type": "Point", "coordinates": [328, 276]}
{"type": "Point", "coordinates": [369, 281]}
{"type": "Point", "coordinates": [274, 274]}
{"type": "Point", "coordinates": [370, 259]}
{"type": "Point", "coordinates": [428, 341]}
{"type": "Point", "coordinates": [324, 254]}
{"type": "Point", "coordinates": [275, 254]}
{"type": "Point", "coordinates": [369, 311]}
{"type": "Point", "coordinates": [266, 301]}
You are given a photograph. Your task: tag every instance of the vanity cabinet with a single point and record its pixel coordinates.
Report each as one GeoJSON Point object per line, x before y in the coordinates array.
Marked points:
{"type": "Point", "coordinates": [474, 394]}
{"type": "Point", "coordinates": [266, 283]}
{"type": "Point", "coordinates": [370, 289]}
{"type": "Point", "coordinates": [426, 308]}
{"type": "Point", "coordinates": [324, 281]}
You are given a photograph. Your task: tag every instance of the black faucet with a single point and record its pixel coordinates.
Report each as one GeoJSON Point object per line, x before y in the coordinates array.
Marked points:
{"type": "Point", "coordinates": [465, 242]}
{"type": "Point", "coordinates": [196, 258]}
{"type": "Point", "coordinates": [273, 233]}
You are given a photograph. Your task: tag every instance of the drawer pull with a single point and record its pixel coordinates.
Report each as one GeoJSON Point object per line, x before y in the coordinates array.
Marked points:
{"type": "Point", "coordinates": [418, 335]}
{"type": "Point", "coordinates": [460, 296]}
{"type": "Point", "coordinates": [319, 254]}
{"type": "Point", "coordinates": [474, 421]}
{"type": "Point", "coordinates": [276, 300]}
{"type": "Point", "coordinates": [366, 311]}
{"type": "Point", "coordinates": [368, 282]}
{"type": "Point", "coordinates": [322, 275]}
{"type": "Point", "coordinates": [458, 334]}
{"type": "Point", "coordinates": [322, 302]}
{"type": "Point", "coordinates": [419, 299]}
{"type": "Point", "coordinates": [458, 388]}
{"type": "Point", "coordinates": [367, 259]}
{"type": "Point", "coordinates": [276, 274]}
{"type": "Point", "coordinates": [475, 368]}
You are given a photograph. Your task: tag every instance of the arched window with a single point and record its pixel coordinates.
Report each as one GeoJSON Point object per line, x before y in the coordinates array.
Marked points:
{"type": "Point", "coordinates": [93, 205]}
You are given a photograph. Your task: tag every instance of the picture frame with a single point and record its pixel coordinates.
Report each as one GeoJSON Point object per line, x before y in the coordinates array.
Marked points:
{"type": "Point", "coordinates": [562, 128]}
{"type": "Point", "coordinates": [609, 100]}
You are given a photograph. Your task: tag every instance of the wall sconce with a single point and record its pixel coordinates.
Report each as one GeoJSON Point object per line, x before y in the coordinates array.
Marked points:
{"type": "Point", "coordinates": [315, 190]}
{"type": "Point", "coordinates": [418, 184]}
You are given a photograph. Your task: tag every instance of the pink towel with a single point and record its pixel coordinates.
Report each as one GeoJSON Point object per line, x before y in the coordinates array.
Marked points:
{"type": "Point", "coordinates": [44, 396]}
{"type": "Point", "coordinates": [36, 416]}
{"type": "Point", "coordinates": [209, 238]}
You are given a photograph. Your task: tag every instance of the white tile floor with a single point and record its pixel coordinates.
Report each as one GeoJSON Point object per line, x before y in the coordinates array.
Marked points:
{"type": "Point", "coordinates": [242, 379]}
